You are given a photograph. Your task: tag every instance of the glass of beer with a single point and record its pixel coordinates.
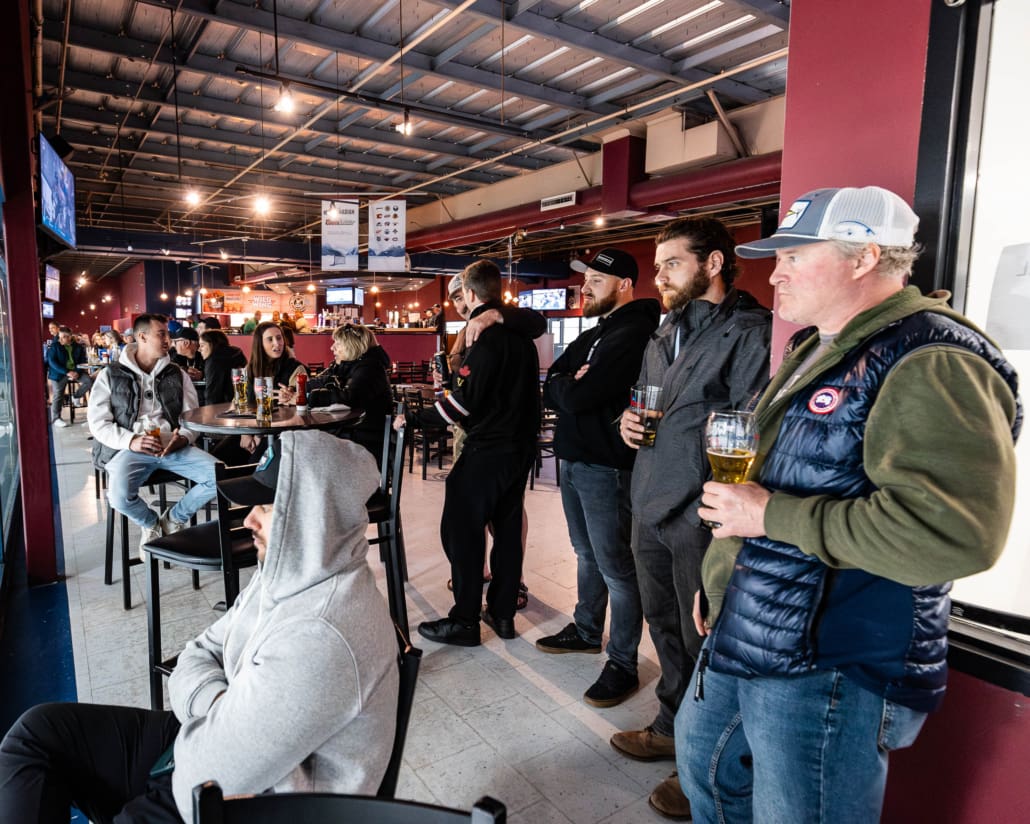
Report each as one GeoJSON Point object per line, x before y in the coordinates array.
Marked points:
{"type": "Point", "coordinates": [731, 439]}
{"type": "Point", "coordinates": [646, 401]}
{"type": "Point", "coordinates": [263, 399]}
{"type": "Point", "coordinates": [239, 388]}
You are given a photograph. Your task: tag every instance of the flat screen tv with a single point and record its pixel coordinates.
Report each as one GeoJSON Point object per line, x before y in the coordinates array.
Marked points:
{"type": "Point", "coordinates": [57, 194]}
{"type": "Point", "coordinates": [48, 309]}
{"type": "Point", "coordinates": [548, 299]}
{"type": "Point", "coordinates": [526, 300]}
{"type": "Point", "coordinates": [348, 295]}
{"type": "Point", "coordinates": [359, 296]}
{"type": "Point", "coordinates": [52, 283]}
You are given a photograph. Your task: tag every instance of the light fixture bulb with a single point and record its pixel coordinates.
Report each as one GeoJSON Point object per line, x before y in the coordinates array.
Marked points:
{"type": "Point", "coordinates": [311, 287]}
{"type": "Point", "coordinates": [374, 290]}
{"type": "Point", "coordinates": [166, 251]}
{"type": "Point", "coordinates": [246, 290]}
{"type": "Point", "coordinates": [193, 197]}
{"type": "Point", "coordinates": [599, 220]}
{"type": "Point", "coordinates": [128, 247]}
{"type": "Point", "coordinates": [92, 307]}
{"type": "Point", "coordinates": [405, 127]}
{"type": "Point", "coordinates": [163, 296]}
{"type": "Point", "coordinates": [378, 304]}
{"type": "Point", "coordinates": [285, 103]}
{"type": "Point", "coordinates": [262, 205]}
{"type": "Point", "coordinates": [224, 255]}
{"type": "Point", "coordinates": [203, 290]}
{"type": "Point", "coordinates": [188, 293]}
{"type": "Point", "coordinates": [333, 213]}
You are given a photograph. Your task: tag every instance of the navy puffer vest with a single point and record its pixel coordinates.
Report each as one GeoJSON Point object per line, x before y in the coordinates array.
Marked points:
{"type": "Point", "coordinates": [787, 613]}
{"type": "Point", "coordinates": [125, 387]}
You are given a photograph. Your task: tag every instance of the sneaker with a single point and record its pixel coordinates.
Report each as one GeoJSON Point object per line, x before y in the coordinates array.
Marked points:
{"type": "Point", "coordinates": [148, 534]}
{"type": "Point", "coordinates": [669, 801]}
{"type": "Point", "coordinates": [61, 422]}
{"type": "Point", "coordinates": [169, 526]}
{"type": "Point", "coordinates": [568, 640]}
{"type": "Point", "coordinates": [644, 745]}
{"type": "Point", "coordinates": [613, 686]}
{"type": "Point", "coordinates": [79, 402]}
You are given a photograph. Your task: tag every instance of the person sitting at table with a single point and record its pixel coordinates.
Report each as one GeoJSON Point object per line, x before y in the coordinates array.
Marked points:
{"type": "Point", "coordinates": [301, 323]}
{"type": "Point", "coordinates": [186, 356]}
{"type": "Point", "coordinates": [358, 377]}
{"type": "Point", "coordinates": [114, 344]}
{"type": "Point", "coordinates": [146, 386]}
{"type": "Point", "coordinates": [220, 358]}
{"type": "Point", "coordinates": [269, 358]}
{"type": "Point", "coordinates": [62, 360]}
{"type": "Point", "coordinates": [302, 666]}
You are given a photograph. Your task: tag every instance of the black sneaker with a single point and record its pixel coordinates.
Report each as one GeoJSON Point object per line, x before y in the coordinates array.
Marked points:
{"type": "Point", "coordinates": [613, 687]}
{"type": "Point", "coordinates": [568, 640]}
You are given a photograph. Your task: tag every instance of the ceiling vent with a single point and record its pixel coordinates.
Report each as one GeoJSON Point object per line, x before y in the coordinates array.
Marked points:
{"type": "Point", "coordinates": [558, 201]}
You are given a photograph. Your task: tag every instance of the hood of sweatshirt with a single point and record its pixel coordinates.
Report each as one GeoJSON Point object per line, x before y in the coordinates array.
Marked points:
{"type": "Point", "coordinates": [127, 358]}
{"type": "Point", "coordinates": [378, 355]}
{"type": "Point", "coordinates": [319, 516]}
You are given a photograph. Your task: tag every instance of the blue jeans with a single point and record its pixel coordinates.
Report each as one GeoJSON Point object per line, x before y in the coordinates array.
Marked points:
{"type": "Point", "coordinates": [57, 392]}
{"type": "Point", "coordinates": [597, 509]}
{"type": "Point", "coordinates": [128, 471]}
{"type": "Point", "coordinates": [808, 748]}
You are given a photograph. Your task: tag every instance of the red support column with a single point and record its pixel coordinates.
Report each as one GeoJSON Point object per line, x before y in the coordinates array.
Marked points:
{"type": "Point", "coordinates": [16, 134]}
{"type": "Point", "coordinates": [622, 165]}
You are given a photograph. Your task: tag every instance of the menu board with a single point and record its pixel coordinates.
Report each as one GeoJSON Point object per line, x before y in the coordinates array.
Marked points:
{"type": "Point", "coordinates": [387, 222]}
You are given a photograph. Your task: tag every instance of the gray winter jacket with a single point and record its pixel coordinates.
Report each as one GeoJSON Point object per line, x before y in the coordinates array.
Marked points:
{"type": "Point", "coordinates": [306, 659]}
{"type": "Point", "coordinates": [723, 363]}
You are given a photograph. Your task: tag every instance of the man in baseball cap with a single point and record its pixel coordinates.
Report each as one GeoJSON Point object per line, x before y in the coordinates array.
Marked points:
{"type": "Point", "coordinates": [885, 469]}
{"type": "Point", "coordinates": [613, 262]}
{"type": "Point", "coordinates": [186, 342]}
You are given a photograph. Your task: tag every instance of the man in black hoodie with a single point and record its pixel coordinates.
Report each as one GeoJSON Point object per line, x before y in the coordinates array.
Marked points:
{"type": "Point", "coordinates": [589, 385]}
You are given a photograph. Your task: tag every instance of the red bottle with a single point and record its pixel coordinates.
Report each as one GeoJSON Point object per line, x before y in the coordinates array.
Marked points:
{"type": "Point", "coordinates": [302, 390]}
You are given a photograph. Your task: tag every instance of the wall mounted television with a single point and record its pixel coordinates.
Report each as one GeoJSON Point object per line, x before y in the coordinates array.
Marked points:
{"type": "Point", "coordinates": [526, 300]}
{"type": "Point", "coordinates": [52, 283]}
{"type": "Point", "coordinates": [549, 299]}
{"type": "Point", "coordinates": [349, 295]}
{"type": "Point", "coordinates": [48, 309]}
{"type": "Point", "coordinates": [57, 195]}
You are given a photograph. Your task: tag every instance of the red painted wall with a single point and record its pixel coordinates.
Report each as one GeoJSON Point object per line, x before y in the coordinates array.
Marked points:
{"type": "Point", "coordinates": [854, 100]}
{"type": "Point", "coordinates": [73, 309]}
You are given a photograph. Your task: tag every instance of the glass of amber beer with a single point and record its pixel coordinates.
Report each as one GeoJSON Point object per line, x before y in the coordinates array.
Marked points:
{"type": "Point", "coordinates": [239, 387]}
{"type": "Point", "coordinates": [731, 439]}
{"type": "Point", "coordinates": [646, 401]}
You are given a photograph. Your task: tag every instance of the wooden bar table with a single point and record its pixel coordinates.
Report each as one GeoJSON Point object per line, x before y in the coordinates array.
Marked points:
{"type": "Point", "coordinates": [223, 419]}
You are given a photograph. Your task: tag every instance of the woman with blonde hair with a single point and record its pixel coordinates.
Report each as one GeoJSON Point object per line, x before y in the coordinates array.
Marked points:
{"type": "Point", "coordinates": [359, 378]}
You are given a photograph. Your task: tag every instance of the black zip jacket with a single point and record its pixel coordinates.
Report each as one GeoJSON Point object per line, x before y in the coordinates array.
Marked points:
{"type": "Point", "coordinates": [589, 408]}
{"type": "Point", "coordinates": [218, 373]}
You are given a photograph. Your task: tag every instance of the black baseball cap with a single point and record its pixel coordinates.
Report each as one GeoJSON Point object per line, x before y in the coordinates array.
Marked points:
{"type": "Point", "coordinates": [257, 489]}
{"type": "Point", "coordinates": [614, 262]}
{"type": "Point", "coordinates": [185, 333]}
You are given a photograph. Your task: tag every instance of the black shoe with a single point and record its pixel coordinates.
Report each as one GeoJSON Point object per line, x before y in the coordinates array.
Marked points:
{"type": "Point", "coordinates": [504, 627]}
{"type": "Point", "coordinates": [613, 686]}
{"type": "Point", "coordinates": [450, 631]}
{"type": "Point", "coordinates": [568, 640]}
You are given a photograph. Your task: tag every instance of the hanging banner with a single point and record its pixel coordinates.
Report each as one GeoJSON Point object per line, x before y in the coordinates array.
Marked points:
{"type": "Point", "coordinates": [386, 236]}
{"type": "Point", "coordinates": [340, 235]}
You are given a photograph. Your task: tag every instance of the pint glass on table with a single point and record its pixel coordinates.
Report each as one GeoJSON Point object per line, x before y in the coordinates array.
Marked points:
{"type": "Point", "coordinates": [239, 388]}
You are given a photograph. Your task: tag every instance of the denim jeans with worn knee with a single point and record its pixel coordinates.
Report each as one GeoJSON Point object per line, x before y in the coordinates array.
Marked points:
{"type": "Point", "coordinates": [790, 750]}
{"type": "Point", "coordinates": [597, 509]}
{"type": "Point", "coordinates": [128, 471]}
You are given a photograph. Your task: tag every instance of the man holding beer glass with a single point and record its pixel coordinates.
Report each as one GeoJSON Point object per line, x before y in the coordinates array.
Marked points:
{"type": "Point", "coordinates": [885, 468]}
{"type": "Point", "coordinates": [710, 353]}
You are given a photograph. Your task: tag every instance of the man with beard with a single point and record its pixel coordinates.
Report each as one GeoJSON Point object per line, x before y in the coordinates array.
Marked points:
{"type": "Point", "coordinates": [710, 353]}
{"type": "Point", "coordinates": [588, 385]}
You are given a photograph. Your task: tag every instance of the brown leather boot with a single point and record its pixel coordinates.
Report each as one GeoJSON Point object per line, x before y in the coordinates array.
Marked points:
{"type": "Point", "coordinates": [669, 801]}
{"type": "Point", "coordinates": [644, 745]}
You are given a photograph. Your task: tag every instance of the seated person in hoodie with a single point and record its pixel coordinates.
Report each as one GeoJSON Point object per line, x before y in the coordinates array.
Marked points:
{"type": "Point", "coordinates": [146, 387]}
{"type": "Point", "coordinates": [220, 358]}
{"type": "Point", "coordinates": [359, 378]}
{"type": "Point", "coordinates": [294, 689]}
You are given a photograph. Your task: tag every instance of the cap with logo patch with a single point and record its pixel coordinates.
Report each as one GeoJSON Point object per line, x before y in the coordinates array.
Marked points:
{"type": "Point", "coordinates": [866, 215]}
{"type": "Point", "coordinates": [259, 488]}
{"type": "Point", "coordinates": [614, 262]}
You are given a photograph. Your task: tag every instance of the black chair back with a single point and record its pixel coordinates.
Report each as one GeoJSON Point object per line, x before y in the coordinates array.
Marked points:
{"type": "Point", "coordinates": [209, 807]}
{"type": "Point", "coordinates": [384, 510]}
{"type": "Point", "coordinates": [408, 659]}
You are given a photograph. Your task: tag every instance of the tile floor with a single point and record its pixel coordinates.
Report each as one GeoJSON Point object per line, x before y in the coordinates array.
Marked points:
{"type": "Point", "coordinates": [501, 719]}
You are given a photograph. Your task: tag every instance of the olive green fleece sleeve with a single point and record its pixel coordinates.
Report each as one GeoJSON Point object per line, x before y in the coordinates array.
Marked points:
{"type": "Point", "coordinates": [938, 447]}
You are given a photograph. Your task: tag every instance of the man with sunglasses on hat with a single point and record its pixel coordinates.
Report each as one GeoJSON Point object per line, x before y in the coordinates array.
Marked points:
{"type": "Point", "coordinates": [134, 418]}
{"type": "Point", "coordinates": [885, 469]}
{"type": "Point", "coordinates": [294, 689]}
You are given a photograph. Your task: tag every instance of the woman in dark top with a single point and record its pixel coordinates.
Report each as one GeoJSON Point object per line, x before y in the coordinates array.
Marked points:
{"type": "Point", "coordinates": [358, 378]}
{"type": "Point", "coordinates": [220, 358]}
{"type": "Point", "coordinates": [269, 359]}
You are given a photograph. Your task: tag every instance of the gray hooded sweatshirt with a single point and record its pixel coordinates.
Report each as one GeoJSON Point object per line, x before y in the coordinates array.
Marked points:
{"type": "Point", "coordinates": [306, 659]}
